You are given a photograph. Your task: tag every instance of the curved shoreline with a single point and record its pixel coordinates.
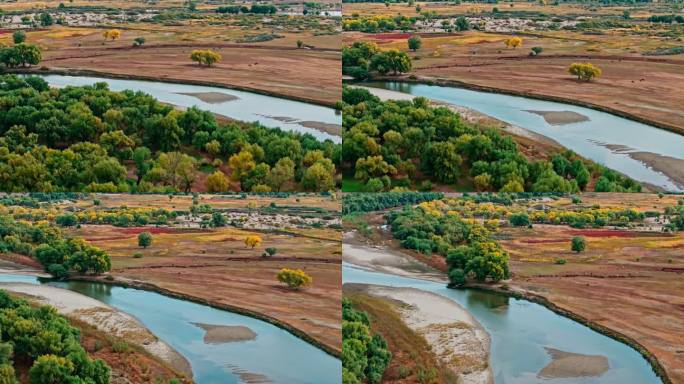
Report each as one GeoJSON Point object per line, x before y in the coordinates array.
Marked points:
{"type": "Point", "coordinates": [542, 300]}
{"type": "Point", "coordinates": [109, 75]}
{"type": "Point", "coordinates": [225, 307]}
{"type": "Point", "coordinates": [613, 334]}
{"type": "Point", "coordinates": [424, 80]}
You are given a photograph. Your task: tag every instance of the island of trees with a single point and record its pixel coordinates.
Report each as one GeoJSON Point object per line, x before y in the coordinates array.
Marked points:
{"type": "Point", "coordinates": [92, 139]}
{"type": "Point", "coordinates": [394, 145]}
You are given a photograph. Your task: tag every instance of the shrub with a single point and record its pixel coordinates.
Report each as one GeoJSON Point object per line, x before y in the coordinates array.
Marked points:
{"type": "Point", "coordinates": [144, 239]}
{"type": "Point", "coordinates": [294, 278]}
{"type": "Point", "coordinates": [578, 244]}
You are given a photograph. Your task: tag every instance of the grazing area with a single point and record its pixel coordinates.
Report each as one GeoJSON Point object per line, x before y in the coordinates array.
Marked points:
{"type": "Point", "coordinates": [92, 139]}
{"type": "Point", "coordinates": [636, 46]}
{"type": "Point", "coordinates": [577, 254]}
{"type": "Point", "coordinates": [227, 251]}
{"type": "Point", "coordinates": [260, 50]}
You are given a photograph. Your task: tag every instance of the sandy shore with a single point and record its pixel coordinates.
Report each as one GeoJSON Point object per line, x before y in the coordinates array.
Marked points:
{"type": "Point", "coordinates": [560, 117]}
{"type": "Point", "coordinates": [219, 334]}
{"type": "Point", "coordinates": [102, 317]}
{"type": "Point", "coordinates": [382, 259]}
{"type": "Point", "coordinates": [566, 365]}
{"type": "Point", "coordinates": [671, 167]}
{"type": "Point", "coordinates": [456, 338]}
{"type": "Point", "coordinates": [211, 97]}
{"type": "Point", "coordinates": [332, 129]}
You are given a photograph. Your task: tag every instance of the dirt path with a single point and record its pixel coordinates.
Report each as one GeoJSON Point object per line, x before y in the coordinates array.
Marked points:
{"type": "Point", "coordinates": [103, 318]}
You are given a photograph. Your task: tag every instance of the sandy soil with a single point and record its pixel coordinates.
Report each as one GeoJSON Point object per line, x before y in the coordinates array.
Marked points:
{"type": "Point", "coordinates": [103, 318]}
{"type": "Point", "coordinates": [333, 129]}
{"type": "Point", "coordinates": [212, 97]}
{"type": "Point", "coordinates": [560, 117]}
{"type": "Point", "coordinates": [219, 334]}
{"type": "Point", "coordinates": [670, 166]}
{"type": "Point", "coordinates": [381, 259]}
{"type": "Point", "coordinates": [457, 339]}
{"type": "Point", "coordinates": [565, 365]}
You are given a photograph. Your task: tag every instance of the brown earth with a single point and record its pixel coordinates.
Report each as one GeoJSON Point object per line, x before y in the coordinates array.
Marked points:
{"type": "Point", "coordinates": [627, 86]}
{"type": "Point", "coordinates": [637, 274]}
{"type": "Point", "coordinates": [639, 277]}
{"type": "Point", "coordinates": [274, 67]}
{"type": "Point", "coordinates": [215, 266]}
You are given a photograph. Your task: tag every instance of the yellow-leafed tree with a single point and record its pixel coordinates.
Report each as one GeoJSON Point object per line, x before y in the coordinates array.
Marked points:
{"type": "Point", "coordinates": [513, 42]}
{"type": "Point", "coordinates": [111, 34]}
{"type": "Point", "coordinates": [294, 278]}
{"type": "Point", "coordinates": [252, 241]}
{"type": "Point", "coordinates": [584, 71]}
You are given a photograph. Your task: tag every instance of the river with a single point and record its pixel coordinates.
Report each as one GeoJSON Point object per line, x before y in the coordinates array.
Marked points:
{"type": "Point", "coordinates": [271, 111]}
{"type": "Point", "coordinates": [275, 353]}
{"type": "Point", "coordinates": [607, 139]}
{"type": "Point", "coordinates": [520, 330]}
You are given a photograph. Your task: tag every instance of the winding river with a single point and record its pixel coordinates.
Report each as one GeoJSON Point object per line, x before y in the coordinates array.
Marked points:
{"type": "Point", "coordinates": [520, 331]}
{"type": "Point", "coordinates": [607, 139]}
{"type": "Point", "coordinates": [275, 353]}
{"type": "Point", "coordinates": [289, 115]}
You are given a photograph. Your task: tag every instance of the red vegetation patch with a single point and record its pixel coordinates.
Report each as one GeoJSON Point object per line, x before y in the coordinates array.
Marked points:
{"type": "Point", "coordinates": [152, 230]}
{"type": "Point", "coordinates": [392, 36]}
{"type": "Point", "coordinates": [542, 241]}
{"type": "Point", "coordinates": [603, 233]}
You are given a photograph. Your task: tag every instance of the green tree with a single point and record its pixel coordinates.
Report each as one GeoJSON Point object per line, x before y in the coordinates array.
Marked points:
{"type": "Point", "coordinates": [144, 239]}
{"type": "Point", "coordinates": [391, 60]}
{"type": "Point", "coordinates": [414, 43]}
{"type": "Point", "coordinates": [519, 220]}
{"type": "Point", "coordinates": [578, 244]}
{"type": "Point", "coordinates": [51, 369]}
{"type": "Point", "coordinates": [19, 37]}
{"type": "Point", "coordinates": [281, 173]}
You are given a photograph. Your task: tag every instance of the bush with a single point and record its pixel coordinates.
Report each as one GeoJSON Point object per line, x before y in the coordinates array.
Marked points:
{"type": "Point", "coordinates": [519, 220]}
{"type": "Point", "coordinates": [294, 278]}
{"type": "Point", "coordinates": [137, 255]}
{"type": "Point", "coordinates": [144, 239]}
{"type": "Point", "coordinates": [578, 244]}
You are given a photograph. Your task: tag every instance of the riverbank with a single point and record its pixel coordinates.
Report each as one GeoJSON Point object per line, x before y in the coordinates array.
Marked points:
{"type": "Point", "coordinates": [541, 140]}
{"type": "Point", "coordinates": [431, 80]}
{"type": "Point", "coordinates": [105, 320]}
{"type": "Point", "coordinates": [455, 338]}
{"type": "Point", "coordinates": [127, 283]}
{"type": "Point", "coordinates": [459, 342]}
{"type": "Point", "coordinates": [644, 314]}
{"type": "Point", "coordinates": [168, 79]}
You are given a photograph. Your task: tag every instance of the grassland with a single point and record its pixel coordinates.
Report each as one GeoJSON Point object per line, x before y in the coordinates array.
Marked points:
{"type": "Point", "coordinates": [216, 267]}
{"type": "Point", "coordinates": [479, 58]}
{"type": "Point", "coordinates": [258, 54]}
{"type": "Point", "coordinates": [627, 281]}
